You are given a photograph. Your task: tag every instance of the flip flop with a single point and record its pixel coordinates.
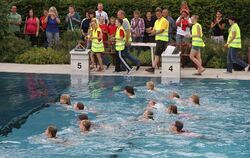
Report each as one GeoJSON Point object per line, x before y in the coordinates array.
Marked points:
{"type": "Point", "coordinates": [197, 74]}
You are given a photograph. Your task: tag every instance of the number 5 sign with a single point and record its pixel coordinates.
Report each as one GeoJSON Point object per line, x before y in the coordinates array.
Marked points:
{"type": "Point", "coordinates": [79, 62]}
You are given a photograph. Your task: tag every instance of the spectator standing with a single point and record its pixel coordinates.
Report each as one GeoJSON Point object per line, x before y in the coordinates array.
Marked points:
{"type": "Point", "coordinates": [111, 32]}
{"type": "Point", "coordinates": [126, 26]}
{"type": "Point", "coordinates": [137, 29]}
{"type": "Point", "coordinates": [149, 24]}
{"type": "Point", "coordinates": [100, 12]}
{"type": "Point", "coordinates": [85, 24]}
{"type": "Point", "coordinates": [197, 44]}
{"type": "Point", "coordinates": [218, 26]}
{"type": "Point", "coordinates": [183, 24]}
{"type": "Point", "coordinates": [14, 20]}
{"type": "Point", "coordinates": [234, 45]}
{"type": "Point", "coordinates": [43, 28]}
{"type": "Point", "coordinates": [160, 31]}
{"type": "Point", "coordinates": [73, 19]}
{"type": "Point", "coordinates": [52, 30]}
{"type": "Point", "coordinates": [31, 27]}
{"type": "Point", "coordinates": [172, 25]}
{"type": "Point", "coordinates": [97, 46]}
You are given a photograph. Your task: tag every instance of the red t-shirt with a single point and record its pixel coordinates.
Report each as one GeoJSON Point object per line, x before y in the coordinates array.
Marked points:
{"type": "Point", "coordinates": [43, 22]}
{"type": "Point", "coordinates": [104, 28]}
{"type": "Point", "coordinates": [112, 29]}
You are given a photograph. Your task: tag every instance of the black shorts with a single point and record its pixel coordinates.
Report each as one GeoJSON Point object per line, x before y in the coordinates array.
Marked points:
{"type": "Point", "coordinates": [160, 47]}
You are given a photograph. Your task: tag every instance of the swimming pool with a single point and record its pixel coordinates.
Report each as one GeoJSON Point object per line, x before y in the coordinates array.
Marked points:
{"type": "Point", "coordinates": [223, 118]}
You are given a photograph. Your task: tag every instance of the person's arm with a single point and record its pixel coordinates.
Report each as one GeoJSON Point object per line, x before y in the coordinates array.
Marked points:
{"type": "Point", "coordinates": [132, 26]}
{"type": "Point", "coordinates": [212, 24]}
{"type": "Point", "coordinates": [46, 18]}
{"type": "Point", "coordinates": [232, 38]}
{"type": "Point", "coordinates": [38, 26]}
{"type": "Point", "coordinates": [67, 18]}
{"type": "Point", "coordinates": [178, 21]}
{"type": "Point", "coordinates": [142, 27]}
{"type": "Point", "coordinates": [19, 21]}
{"type": "Point", "coordinates": [25, 26]}
{"type": "Point", "coordinates": [221, 26]}
{"type": "Point", "coordinates": [163, 27]}
{"type": "Point", "coordinates": [107, 18]}
{"type": "Point", "coordinates": [58, 20]}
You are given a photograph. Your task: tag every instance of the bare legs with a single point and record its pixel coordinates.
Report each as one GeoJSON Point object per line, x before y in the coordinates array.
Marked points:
{"type": "Point", "coordinates": [195, 56]}
{"type": "Point", "coordinates": [99, 58]}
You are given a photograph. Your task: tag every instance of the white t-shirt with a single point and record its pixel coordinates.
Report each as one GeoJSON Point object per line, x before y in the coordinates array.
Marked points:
{"type": "Point", "coordinates": [99, 14]}
{"type": "Point", "coordinates": [182, 32]}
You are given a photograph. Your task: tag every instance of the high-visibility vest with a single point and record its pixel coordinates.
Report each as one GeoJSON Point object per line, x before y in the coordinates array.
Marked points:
{"type": "Point", "coordinates": [119, 44]}
{"type": "Point", "coordinates": [164, 35]}
{"type": "Point", "coordinates": [197, 41]}
{"type": "Point", "coordinates": [236, 43]}
{"type": "Point", "coordinates": [97, 45]}
{"type": "Point", "coordinates": [130, 38]}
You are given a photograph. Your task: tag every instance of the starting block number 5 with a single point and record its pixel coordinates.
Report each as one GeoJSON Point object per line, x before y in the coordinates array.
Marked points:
{"type": "Point", "coordinates": [79, 66]}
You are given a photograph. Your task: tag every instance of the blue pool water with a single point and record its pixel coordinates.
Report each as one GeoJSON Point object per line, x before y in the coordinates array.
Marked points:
{"type": "Point", "coordinates": [223, 118]}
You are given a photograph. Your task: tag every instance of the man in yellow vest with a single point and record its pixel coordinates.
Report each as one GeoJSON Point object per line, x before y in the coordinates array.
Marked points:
{"type": "Point", "coordinates": [234, 44]}
{"type": "Point", "coordinates": [197, 44]}
{"type": "Point", "coordinates": [160, 31]}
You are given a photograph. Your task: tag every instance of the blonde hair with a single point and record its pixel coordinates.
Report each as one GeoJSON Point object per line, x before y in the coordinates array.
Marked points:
{"type": "Point", "coordinates": [54, 10]}
{"type": "Point", "coordinates": [196, 99]}
{"type": "Point", "coordinates": [86, 124]}
{"type": "Point", "coordinates": [150, 85]}
{"type": "Point", "coordinates": [65, 99]}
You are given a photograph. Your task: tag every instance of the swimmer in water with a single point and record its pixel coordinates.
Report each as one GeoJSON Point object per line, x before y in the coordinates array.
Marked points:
{"type": "Point", "coordinates": [150, 86]}
{"type": "Point", "coordinates": [172, 109]}
{"type": "Point", "coordinates": [195, 99]}
{"type": "Point", "coordinates": [85, 125]}
{"type": "Point", "coordinates": [65, 99]}
{"type": "Point", "coordinates": [177, 127]}
{"type": "Point", "coordinates": [79, 106]}
{"type": "Point", "coordinates": [82, 117]}
{"type": "Point", "coordinates": [174, 96]}
{"type": "Point", "coordinates": [129, 91]}
{"type": "Point", "coordinates": [147, 115]}
{"type": "Point", "coordinates": [51, 131]}
{"type": "Point", "coordinates": [151, 104]}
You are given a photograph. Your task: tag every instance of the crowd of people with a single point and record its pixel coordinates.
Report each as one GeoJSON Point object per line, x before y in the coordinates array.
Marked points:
{"type": "Point", "coordinates": [154, 108]}
{"type": "Point", "coordinates": [100, 32]}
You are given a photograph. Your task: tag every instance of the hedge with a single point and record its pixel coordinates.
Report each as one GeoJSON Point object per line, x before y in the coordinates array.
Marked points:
{"type": "Point", "coordinates": [205, 8]}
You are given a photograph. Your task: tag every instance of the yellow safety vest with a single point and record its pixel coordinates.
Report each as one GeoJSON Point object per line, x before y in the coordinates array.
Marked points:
{"type": "Point", "coordinates": [119, 44]}
{"type": "Point", "coordinates": [197, 41]}
{"type": "Point", "coordinates": [130, 39]}
{"type": "Point", "coordinates": [164, 35]}
{"type": "Point", "coordinates": [236, 43]}
{"type": "Point", "coordinates": [97, 46]}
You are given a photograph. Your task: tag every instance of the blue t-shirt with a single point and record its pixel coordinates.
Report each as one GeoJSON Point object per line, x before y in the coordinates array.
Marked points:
{"type": "Point", "coordinates": [52, 26]}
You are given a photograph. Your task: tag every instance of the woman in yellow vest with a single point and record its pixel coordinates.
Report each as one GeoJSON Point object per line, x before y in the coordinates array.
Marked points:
{"type": "Point", "coordinates": [97, 46]}
{"type": "Point", "coordinates": [197, 44]}
{"type": "Point", "coordinates": [120, 38]}
{"type": "Point", "coordinates": [234, 44]}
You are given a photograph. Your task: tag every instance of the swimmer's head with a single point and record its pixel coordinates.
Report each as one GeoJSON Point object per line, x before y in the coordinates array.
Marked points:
{"type": "Point", "coordinates": [51, 132]}
{"type": "Point", "coordinates": [172, 109]}
{"type": "Point", "coordinates": [151, 103]}
{"type": "Point", "coordinates": [129, 90]}
{"type": "Point", "coordinates": [79, 106]}
{"type": "Point", "coordinates": [174, 95]}
{"type": "Point", "coordinates": [148, 115]}
{"type": "Point", "coordinates": [177, 126]}
{"type": "Point", "coordinates": [195, 99]}
{"type": "Point", "coordinates": [65, 99]}
{"type": "Point", "coordinates": [82, 117]}
{"type": "Point", "coordinates": [85, 125]}
{"type": "Point", "coordinates": [150, 85]}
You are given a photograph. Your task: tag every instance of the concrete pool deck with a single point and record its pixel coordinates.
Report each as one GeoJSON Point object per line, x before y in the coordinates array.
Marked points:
{"type": "Point", "coordinates": [66, 69]}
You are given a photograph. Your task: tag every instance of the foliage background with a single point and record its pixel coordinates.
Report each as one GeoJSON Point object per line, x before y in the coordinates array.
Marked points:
{"type": "Point", "coordinates": [213, 55]}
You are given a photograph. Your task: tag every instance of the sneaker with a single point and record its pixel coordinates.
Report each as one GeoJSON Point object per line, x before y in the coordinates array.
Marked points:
{"type": "Point", "coordinates": [138, 67]}
{"type": "Point", "coordinates": [132, 69]}
{"type": "Point", "coordinates": [151, 70]}
{"type": "Point", "coordinates": [247, 68]}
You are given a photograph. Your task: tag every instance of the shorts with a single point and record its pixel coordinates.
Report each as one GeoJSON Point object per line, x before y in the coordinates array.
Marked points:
{"type": "Point", "coordinates": [160, 47]}
{"type": "Point", "coordinates": [196, 48]}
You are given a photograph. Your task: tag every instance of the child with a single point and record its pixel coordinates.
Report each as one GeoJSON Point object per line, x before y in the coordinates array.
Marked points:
{"type": "Point", "coordinates": [111, 32]}
{"type": "Point", "coordinates": [150, 86]}
{"type": "Point", "coordinates": [129, 91]}
{"type": "Point", "coordinates": [79, 106]}
{"type": "Point", "coordinates": [82, 117]}
{"type": "Point", "coordinates": [184, 7]}
{"type": "Point", "coordinates": [195, 99]}
{"type": "Point", "coordinates": [172, 109]}
{"type": "Point", "coordinates": [174, 96]}
{"type": "Point", "coordinates": [65, 99]}
{"type": "Point", "coordinates": [151, 104]}
{"type": "Point", "coordinates": [177, 127]}
{"type": "Point", "coordinates": [85, 125]}
{"type": "Point", "coordinates": [51, 131]}
{"type": "Point", "coordinates": [148, 115]}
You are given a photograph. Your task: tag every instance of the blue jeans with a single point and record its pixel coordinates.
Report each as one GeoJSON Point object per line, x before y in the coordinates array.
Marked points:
{"type": "Point", "coordinates": [126, 54]}
{"type": "Point", "coordinates": [233, 59]}
{"type": "Point", "coordinates": [52, 38]}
